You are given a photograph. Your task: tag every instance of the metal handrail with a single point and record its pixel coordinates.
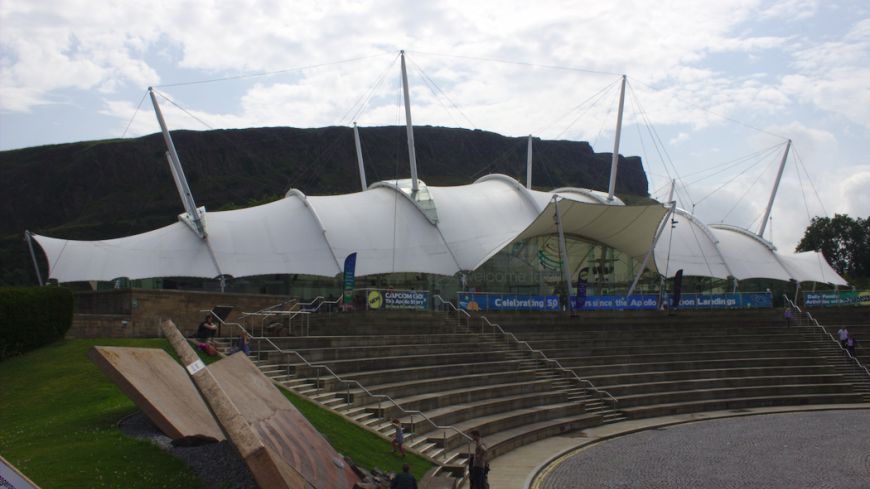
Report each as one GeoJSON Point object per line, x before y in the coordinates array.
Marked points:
{"type": "Point", "coordinates": [496, 326]}
{"type": "Point", "coordinates": [828, 333]}
{"type": "Point", "coordinates": [347, 382]}
{"type": "Point", "coordinates": [457, 311]}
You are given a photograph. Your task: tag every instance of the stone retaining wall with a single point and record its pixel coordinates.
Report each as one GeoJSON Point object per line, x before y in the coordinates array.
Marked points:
{"type": "Point", "coordinates": [137, 313]}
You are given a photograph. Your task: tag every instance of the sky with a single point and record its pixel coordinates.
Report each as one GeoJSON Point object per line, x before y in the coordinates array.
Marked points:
{"type": "Point", "coordinates": [714, 89]}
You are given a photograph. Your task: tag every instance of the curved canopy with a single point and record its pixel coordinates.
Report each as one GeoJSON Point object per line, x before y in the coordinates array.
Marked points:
{"type": "Point", "coordinates": [441, 230]}
{"type": "Point", "coordinates": [390, 230]}
{"type": "Point", "coordinates": [723, 251]}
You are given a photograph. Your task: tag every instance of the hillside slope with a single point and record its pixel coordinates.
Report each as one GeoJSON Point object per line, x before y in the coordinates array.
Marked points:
{"type": "Point", "coordinates": [107, 189]}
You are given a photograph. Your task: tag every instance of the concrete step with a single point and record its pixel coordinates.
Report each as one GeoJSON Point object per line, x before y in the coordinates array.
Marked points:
{"type": "Point", "coordinates": [413, 387]}
{"type": "Point", "coordinates": [669, 409]}
{"type": "Point", "coordinates": [404, 361]}
{"type": "Point", "coordinates": [734, 392]}
{"type": "Point", "coordinates": [503, 421]}
{"type": "Point", "coordinates": [694, 365]}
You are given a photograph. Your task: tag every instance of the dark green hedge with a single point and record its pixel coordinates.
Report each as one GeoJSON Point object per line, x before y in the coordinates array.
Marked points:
{"type": "Point", "coordinates": [33, 316]}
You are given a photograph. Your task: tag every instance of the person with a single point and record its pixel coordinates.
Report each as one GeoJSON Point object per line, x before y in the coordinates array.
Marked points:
{"type": "Point", "coordinates": [478, 464]}
{"type": "Point", "coordinates": [243, 344]}
{"type": "Point", "coordinates": [399, 438]}
{"type": "Point", "coordinates": [843, 335]}
{"type": "Point", "coordinates": [850, 345]}
{"type": "Point", "coordinates": [787, 315]}
{"type": "Point", "coordinates": [404, 479]}
{"type": "Point", "coordinates": [206, 329]}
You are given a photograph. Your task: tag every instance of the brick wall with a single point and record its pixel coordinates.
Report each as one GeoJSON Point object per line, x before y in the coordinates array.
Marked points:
{"type": "Point", "coordinates": [137, 313]}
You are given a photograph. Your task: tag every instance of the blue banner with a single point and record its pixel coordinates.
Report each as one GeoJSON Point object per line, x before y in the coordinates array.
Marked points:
{"type": "Point", "coordinates": [471, 301]}
{"type": "Point", "coordinates": [615, 302]}
{"type": "Point", "coordinates": [726, 301]}
{"type": "Point", "coordinates": [349, 269]}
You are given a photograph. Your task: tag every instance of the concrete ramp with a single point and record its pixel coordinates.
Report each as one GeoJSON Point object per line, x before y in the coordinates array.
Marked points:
{"type": "Point", "coordinates": [160, 387]}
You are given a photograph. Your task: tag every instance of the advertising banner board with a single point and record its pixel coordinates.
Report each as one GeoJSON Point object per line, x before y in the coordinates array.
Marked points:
{"type": "Point", "coordinates": [475, 301]}
{"type": "Point", "coordinates": [829, 299]}
{"type": "Point", "coordinates": [409, 300]}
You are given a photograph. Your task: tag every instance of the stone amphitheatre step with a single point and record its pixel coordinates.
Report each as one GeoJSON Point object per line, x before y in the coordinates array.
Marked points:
{"type": "Point", "coordinates": [620, 391]}
{"type": "Point", "coordinates": [655, 398]}
{"type": "Point", "coordinates": [738, 403]}
{"type": "Point", "coordinates": [488, 425]}
{"type": "Point", "coordinates": [504, 441]}
{"type": "Point", "coordinates": [694, 365]}
{"type": "Point", "coordinates": [414, 386]}
{"type": "Point", "coordinates": [319, 355]}
{"type": "Point", "coordinates": [433, 400]}
{"type": "Point", "coordinates": [606, 380]}
{"type": "Point", "coordinates": [304, 342]}
{"type": "Point", "coordinates": [403, 361]}
{"type": "Point", "coordinates": [671, 356]}
{"type": "Point", "coordinates": [421, 372]}
{"type": "Point", "coordinates": [457, 413]}
{"type": "Point", "coordinates": [578, 352]}
{"type": "Point", "coordinates": [677, 344]}
{"type": "Point", "coordinates": [657, 334]}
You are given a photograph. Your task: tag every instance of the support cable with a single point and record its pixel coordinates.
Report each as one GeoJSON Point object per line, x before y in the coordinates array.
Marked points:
{"type": "Point", "coordinates": [727, 182]}
{"type": "Point", "coordinates": [269, 73]}
{"type": "Point", "coordinates": [135, 112]}
{"type": "Point", "coordinates": [809, 179]}
{"type": "Point", "coordinates": [746, 192]}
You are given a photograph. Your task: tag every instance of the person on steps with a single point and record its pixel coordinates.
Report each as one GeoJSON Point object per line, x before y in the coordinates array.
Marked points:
{"type": "Point", "coordinates": [206, 329]}
{"type": "Point", "coordinates": [843, 335]}
{"type": "Point", "coordinates": [398, 438]}
{"type": "Point", "coordinates": [478, 464]}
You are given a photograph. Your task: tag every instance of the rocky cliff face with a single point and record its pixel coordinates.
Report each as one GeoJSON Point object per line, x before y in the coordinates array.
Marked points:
{"type": "Point", "coordinates": [108, 189]}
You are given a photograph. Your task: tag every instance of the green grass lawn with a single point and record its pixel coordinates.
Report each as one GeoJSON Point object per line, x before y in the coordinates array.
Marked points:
{"type": "Point", "coordinates": [58, 416]}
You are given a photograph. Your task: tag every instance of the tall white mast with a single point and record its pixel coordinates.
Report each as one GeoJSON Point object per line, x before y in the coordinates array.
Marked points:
{"type": "Point", "coordinates": [529, 164]}
{"type": "Point", "coordinates": [563, 253]}
{"type": "Point", "coordinates": [412, 155]}
{"type": "Point", "coordinates": [672, 206]}
{"type": "Point", "coordinates": [193, 214]}
{"type": "Point", "coordinates": [775, 187]}
{"type": "Point", "coordinates": [614, 163]}
{"type": "Point", "coordinates": [359, 158]}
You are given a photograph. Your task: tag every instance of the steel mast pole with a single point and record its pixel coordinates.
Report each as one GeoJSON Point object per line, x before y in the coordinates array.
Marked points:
{"type": "Point", "coordinates": [775, 188]}
{"type": "Point", "coordinates": [529, 164]}
{"type": "Point", "coordinates": [563, 255]}
{"type": "Point", "coordinates": [359, 158]}
{"type": "Point", "coordinates": [29, 239]}
{"type": "Point", "coordinates": [667, 219]}
{"type": "Point", "coordinates": [412, 155]}
{"type": "Point", "coordinates": [615, 162]}
{"type": "Point", "coordinates": [177, 171]}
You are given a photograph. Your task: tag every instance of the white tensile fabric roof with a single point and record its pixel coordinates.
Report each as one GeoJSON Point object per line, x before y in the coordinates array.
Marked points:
{"type": "Point", "coordinates": [389, 232]}
{"type": "Point", "coordinates": [392, 233]}
{"type": "Point", "coordinates": [724, 251]}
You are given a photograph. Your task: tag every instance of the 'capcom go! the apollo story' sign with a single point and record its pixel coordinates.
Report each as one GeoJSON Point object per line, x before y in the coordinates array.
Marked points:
{"type": "Point", "coordinates": [397, 299]}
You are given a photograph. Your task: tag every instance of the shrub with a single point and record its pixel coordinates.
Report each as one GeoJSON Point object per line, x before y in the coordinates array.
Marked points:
{"type": "Point", "coordinates": [33, 316]}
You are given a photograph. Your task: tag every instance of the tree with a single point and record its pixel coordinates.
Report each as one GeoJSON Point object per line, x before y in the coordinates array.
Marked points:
{"type": "Point", "coordinates": [844, 241]}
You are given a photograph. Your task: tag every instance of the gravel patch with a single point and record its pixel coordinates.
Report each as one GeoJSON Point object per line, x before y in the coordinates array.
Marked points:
{"type": "Point", "coordinates": [217, 465]}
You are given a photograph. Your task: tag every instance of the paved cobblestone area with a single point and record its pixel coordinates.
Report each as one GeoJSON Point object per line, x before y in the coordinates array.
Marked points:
{"type": "Point", "coordinates": [828, 449]}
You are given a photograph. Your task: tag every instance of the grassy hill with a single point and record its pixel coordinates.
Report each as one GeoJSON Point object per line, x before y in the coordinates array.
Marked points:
{"type": "Point", "coordinates": [112, 188]}
{"type": "Point", "coordinates": [59, 418]}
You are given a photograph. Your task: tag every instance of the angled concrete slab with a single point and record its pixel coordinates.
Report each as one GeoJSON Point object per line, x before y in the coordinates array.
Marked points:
{"type": "Point", "coordinates": [280, 447]}
{"type": "Point", "coordinates": [280, 426]}
{"type": "Point", "coordinates": [160, 387]}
